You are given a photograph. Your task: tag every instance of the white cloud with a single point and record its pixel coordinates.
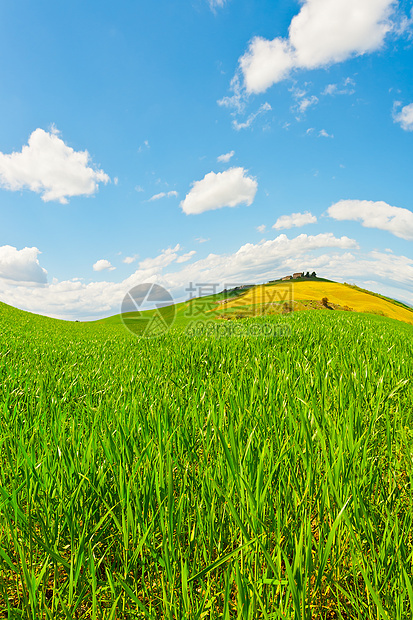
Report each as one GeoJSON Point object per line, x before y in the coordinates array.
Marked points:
{"type": "Point", "coordinates": [323, 134]}
{"type": "Point", "coordinates": [128, 260]}
{"type": "Point", "coordinates": [144, 146]}
{"type": "Point", "coordinates": [306, 103]}
{"type": "Point", "coordinates": [404, 116]}
{"type": "Point", "coordinates": [265, 63]}
{"type": "Point", "coordinates": [214, 4]}
{"type": "Point", "coordinates": [47, 166]}
{"type": "Point", "coordinates": [237, 100]}
{"type": "Point", "coordinates": [265, 107]}
{"type": "Point", "coordinates": [226, 157]}
{"type": "Point", "coordinates": [102, 265]}
{"type": "Point", "coordinates": [294, 220]}
{"type": "Point", "coordinates": [261, 228]}
{"type": "Point", "coordinates": [322, 33]}
{"type": "Point", "coordinates": [139, 188]}
{"type": "Point", "coordinates": [379, 215]}
{"type": "Point", "coordinates": [223, 189]}
{"type": "Point", "coordinates": [347, 88]}
{"type": "Point", "coordinates": [404, 25]}
{"type": "Point", "coordinates": [330, 89]}
{"type": "Point", "coordinates": [21, 265]}
{"type": "Point", "coordinates": [185, 257]}
{"type": "Point", "coordinates": [202, 239]}
{"type": "Point", "coordinates": [163, 195]}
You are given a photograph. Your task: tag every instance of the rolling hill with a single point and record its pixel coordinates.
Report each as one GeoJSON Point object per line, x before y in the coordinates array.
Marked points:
{"type": "Point", "coordinates": [306, 294]}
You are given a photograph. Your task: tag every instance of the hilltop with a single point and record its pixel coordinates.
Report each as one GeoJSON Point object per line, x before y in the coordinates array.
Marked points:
{"type": "Point", "coordinates": [314, 294]}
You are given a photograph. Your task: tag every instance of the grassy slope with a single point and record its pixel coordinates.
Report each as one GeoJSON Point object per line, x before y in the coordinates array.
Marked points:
{"type": "Point", "coordinates": [186, 311]}
{"type": "Point", "coordinates": [206, 477]}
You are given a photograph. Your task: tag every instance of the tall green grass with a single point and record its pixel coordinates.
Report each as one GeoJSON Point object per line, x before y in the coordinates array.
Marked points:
{"type": "Point", "coordinates": [206, 477]}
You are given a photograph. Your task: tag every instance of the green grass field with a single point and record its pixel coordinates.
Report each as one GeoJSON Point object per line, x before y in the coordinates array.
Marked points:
{"type": "Point", "coordinates": [206, 477]}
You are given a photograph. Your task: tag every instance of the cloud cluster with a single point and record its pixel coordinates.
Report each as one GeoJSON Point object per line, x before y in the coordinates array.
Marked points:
{"type": "Point", "coordinates": [372, 214]}
{"type": "Point", "coordinates": [47, 166]}
{"type": "Point", "coordinates": [21, 265]}
{"type": "Point", "coordinates": [223, 189]}
{"type": "Point", "coordinates": [347, 88]}
{"type": "Point", "coordinates": [322, 33]}
{"type": "Point", "coordinates": [335, 258]}
{"type": "Point", "coordinates": [251, 263]}
{"type": "Point", "coordinates": [404, 116]}
{"type": "Point", "coordinates": [294, 220]}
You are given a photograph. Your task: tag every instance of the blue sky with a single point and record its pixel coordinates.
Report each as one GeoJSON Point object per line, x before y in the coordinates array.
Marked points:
{"type": "Point", "coordinates": [162, 142]}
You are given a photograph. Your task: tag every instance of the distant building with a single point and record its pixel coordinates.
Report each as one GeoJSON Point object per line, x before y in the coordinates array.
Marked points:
{"type": "Point", "coordinates": [287, 278]}
{"type": "Point", "coordinates": [299, 274]}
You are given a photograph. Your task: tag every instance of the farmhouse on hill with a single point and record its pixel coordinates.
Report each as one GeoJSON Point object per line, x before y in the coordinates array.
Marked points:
{"type": "Point", "coordinates": [286, 278]}
{"type": "Point", "coordinates": [299, 274]}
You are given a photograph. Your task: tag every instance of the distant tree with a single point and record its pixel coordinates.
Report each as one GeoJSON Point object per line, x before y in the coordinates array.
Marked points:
{"type": "Point", "coordinates": [324, 301]}
{"type": "Point", "coordinates": [314, 275]}
{"type": "Point", "coordinates": [307, 275]}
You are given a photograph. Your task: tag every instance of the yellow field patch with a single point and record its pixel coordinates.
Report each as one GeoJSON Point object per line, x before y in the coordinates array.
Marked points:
{"type": "Point", "coordinates": [338, 294]}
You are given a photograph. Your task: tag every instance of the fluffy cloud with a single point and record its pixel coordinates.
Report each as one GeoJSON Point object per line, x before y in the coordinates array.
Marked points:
{"type": "Point", "coordinates": [226, 157]}
{"type": "Point", "coordinates": [379, 215]}
{"type": "Point", "coordinates": [223, 189]}
{"type": "Point", "coordinates": [47, 166]}
{"type": "Point", "coordinates": [404, 117]}
{"type": "Point", "coordinates": [322, 33]}
{"type": "Point", "coordinates": [128, 260]}
{"type": "Point", "coordinates": [294, 220]}
{"type": "Point", "coordinates": [265, 63]}
{"type": "Point", "coordinates": [163, 195]}
{"type": "Point", "coordinates": [21, 265]}
{"type": "Point", "coordinates": [103, 265]}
